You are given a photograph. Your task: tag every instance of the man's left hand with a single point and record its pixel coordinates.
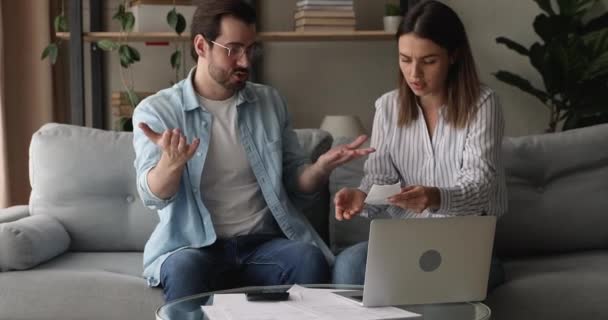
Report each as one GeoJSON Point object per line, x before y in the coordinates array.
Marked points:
{"type": "Point", "coordinates": [342, 154]}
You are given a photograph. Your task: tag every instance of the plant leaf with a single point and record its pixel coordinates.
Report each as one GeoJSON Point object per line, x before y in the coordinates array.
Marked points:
{"type": "Point", "coordinates": [513, 45]}
{"type": "Point", "coordinates": [128, 22]}
{"type": "Point", "coordinates": [550, 27]}
{"type": "Point", "coordinates": [545, 5]}
{"type": "Point", "coordinates": [60, 24]}
{"type": "Point", "coordinates": [51, 52]}
{"type": "Point", "coordinates": [597, 68]}
{"type": "Point", "coordinates": [521, 83]}
{"type": "Point", "coordinates": [125, 56]}
{"type": "Point", "coordinates": [107, 45]}
{"type": "Point", "coordinates": [120, 12]}
{"type": "Point", "coordinates": [574, 7]}
{"type": "Point", "coordinates": [537, 56]}
{"type": "Point", "coordinates": [596, 24]}
{"type": "Point", "coordinates": [596, 42]}
{"type": "Point", "coordinates": [176, 59]}
{"type": "Point", "coordinates": [181, 24]}
{"type": "Point", "coordinates": [133, 53]}
{"type": "Point", "coordinates": [172, 18]}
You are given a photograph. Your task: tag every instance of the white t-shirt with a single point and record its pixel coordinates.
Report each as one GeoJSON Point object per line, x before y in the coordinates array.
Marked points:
{"type": "Point", "coordinates": [229, 188]}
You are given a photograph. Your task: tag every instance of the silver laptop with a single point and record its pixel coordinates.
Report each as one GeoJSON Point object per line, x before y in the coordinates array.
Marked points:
{"type": "Point", "coordinates": [421, 261]}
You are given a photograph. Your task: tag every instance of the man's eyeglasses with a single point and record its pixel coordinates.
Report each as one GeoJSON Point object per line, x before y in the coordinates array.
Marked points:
{"type": "Point", "coordinates": [236, 51]}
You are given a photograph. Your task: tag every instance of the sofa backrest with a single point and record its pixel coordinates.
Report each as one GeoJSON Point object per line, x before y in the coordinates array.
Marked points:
{"type": "Point", "coordinates": [558, 193]}
{"type": "Point", "coordinates": [557, 186]}
{"type": "Point", "coordinates": [85, 178]}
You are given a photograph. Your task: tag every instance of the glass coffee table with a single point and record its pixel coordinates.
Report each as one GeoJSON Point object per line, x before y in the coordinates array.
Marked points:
{"type": "Point", "coordinates": [189, 308]}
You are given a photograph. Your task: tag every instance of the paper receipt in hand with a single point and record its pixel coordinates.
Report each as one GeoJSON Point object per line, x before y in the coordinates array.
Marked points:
{"type": "Point", "coordinates": [378, 193]}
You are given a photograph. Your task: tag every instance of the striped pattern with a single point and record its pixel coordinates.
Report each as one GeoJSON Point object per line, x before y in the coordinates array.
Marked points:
{"type": "Point", "coordinates": [465, 164]}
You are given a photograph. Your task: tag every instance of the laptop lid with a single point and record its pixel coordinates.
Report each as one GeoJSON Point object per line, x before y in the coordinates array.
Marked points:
{"type": "Point", "coordinates": [433, 260]}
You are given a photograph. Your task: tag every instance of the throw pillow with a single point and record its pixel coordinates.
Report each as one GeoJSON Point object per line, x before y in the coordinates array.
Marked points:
{"type": "Point", "coordinates": [30, 241]}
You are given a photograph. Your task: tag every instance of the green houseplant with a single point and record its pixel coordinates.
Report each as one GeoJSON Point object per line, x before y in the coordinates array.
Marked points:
{"type": "Point", "coordinates": [572, 58]}
{"type": "Point", "coordinates": [392, 17]}
{"type": "Point", "coordinates": [60, 24]}
{"type": "Point", "coordinates": [127, 54]}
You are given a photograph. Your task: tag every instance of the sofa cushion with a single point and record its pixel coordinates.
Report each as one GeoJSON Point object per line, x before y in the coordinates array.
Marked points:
{"type": "Point", "coordinates": [558, 193]}
{"type": "Point", "coordinates": [566, 286]}
{"type": "Point", "coordinates": [26, 242]}
{"type": "Point", "coordinates": [343, 234]}
{"type": "Point", "coordinates": [76, 294]}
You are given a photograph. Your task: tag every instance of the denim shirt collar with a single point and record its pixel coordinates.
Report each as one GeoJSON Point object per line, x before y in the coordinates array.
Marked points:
{"type": "Point", "coordinates": [190, 95]}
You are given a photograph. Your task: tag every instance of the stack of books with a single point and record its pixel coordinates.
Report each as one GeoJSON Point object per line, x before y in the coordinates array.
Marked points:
{"type": "Point", "coordinates": [325, 15]}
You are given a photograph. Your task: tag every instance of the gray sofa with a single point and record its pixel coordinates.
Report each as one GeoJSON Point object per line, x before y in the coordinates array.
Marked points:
{"type": "Point", "coordinates": [554, 239]}
{"type": "Point", "coordinates": [77, 245]}
{"type": "Point", "coordinates": [75, 252]}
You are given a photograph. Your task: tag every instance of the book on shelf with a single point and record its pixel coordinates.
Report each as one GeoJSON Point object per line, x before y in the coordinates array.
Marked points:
{"type": "Point", "coordinates": [324, 14]}
{"type": "Point", "coordinates": [162, 2]}
{"type": "Point", "coordinates": [325, 21]}
{"type": "Point", "coordinates": [325, 28]}
{"type": "Point", "coordinates": [326, 8]}
{"type": "Point", "coordinates": [303, 3]}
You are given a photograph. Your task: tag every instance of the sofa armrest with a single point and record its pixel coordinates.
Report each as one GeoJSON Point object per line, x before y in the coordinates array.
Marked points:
{"type": "Point", "coordinates": [14, 213]}
{"type": "Point", "coordinates": [29, 241]}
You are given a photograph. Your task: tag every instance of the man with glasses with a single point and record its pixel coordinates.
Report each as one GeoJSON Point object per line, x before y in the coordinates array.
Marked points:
{"type": "Point", "coordinates": [217, 157]}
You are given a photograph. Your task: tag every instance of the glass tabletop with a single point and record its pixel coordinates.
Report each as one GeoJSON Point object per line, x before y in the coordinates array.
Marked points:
{"type": "Point", "coordinates": [189, 308]}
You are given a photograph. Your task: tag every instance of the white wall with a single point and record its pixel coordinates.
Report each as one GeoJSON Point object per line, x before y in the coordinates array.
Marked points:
{"type": "Point", "coordinates": [340, 77]}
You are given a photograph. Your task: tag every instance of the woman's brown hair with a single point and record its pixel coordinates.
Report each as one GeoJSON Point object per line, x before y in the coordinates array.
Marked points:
{"type": "Point", "coordinates": [437, 22]}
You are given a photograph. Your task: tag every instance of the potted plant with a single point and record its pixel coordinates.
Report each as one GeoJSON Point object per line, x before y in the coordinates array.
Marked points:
{"type": "Point", "coordinates": [572, 58]}
{"type": "Point", "coordinates": [392, 17]}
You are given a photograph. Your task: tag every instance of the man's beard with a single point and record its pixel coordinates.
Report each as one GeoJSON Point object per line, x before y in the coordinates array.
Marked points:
{"type": "Point", "coordinates": [224, 77]}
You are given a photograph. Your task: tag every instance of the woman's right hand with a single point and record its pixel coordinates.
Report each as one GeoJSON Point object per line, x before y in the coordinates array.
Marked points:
{"type": "Point", "coordinates": [348, 202]}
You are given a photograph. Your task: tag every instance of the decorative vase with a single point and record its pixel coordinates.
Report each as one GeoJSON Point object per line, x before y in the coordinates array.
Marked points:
{"type": "Point", "coordinates": [391, 23]}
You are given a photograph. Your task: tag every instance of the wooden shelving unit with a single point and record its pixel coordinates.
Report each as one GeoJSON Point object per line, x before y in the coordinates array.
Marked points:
{"type": "Point", "coordinates": [80, 39]}
{"type": "Point", "coordinates": [283, 36]}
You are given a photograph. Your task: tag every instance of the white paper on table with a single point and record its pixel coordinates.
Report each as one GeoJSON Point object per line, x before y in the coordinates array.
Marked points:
{"type": "Point", "coordinates": [326, 305]}
{"type": "Point", "coordinates": [378, 193]}
{"type": "Point", "coordinates": [303, 304]}
{"type": "Point", "coordinates": [215, 313]}
{"type": "Point", "coordinates": [237, 307]}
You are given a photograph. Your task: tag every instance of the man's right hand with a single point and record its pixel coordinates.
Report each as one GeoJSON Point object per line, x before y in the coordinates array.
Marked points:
{"type": "Point", "coordinates": [176, 150]}
{"type": "Point", "coordinates": [164, 178]}
{"type": "Point", "coordinates": [349, 202]}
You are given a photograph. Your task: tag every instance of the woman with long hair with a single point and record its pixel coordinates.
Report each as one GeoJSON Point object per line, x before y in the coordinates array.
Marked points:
{"type": "Point", "coordinates": [439, 134]}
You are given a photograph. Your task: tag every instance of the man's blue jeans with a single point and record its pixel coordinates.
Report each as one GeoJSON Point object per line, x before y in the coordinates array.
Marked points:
{"type": "Point", "coordinates": [253, 260]}
{"type": "Point", "coordinates": [350, 267]}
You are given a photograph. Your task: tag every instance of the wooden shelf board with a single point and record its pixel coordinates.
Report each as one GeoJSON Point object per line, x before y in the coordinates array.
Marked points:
{"type": "Point", "coordinates": [263, 36]}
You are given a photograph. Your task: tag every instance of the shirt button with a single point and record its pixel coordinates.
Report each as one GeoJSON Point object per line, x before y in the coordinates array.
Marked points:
{"type": "Point", "coordinates": [130, 198]}
{"type": "Point", "coordinates": [195, 189]}
{"type": "Point", "coordinates": [199, 154]}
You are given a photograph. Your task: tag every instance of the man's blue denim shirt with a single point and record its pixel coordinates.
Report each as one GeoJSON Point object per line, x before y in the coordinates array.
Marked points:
{"type": "Point", "coordinates": [272, 149]}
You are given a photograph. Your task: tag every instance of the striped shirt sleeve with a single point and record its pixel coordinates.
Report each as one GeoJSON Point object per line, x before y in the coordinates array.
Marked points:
{"type": "Point", "coordinates": [478, 175]}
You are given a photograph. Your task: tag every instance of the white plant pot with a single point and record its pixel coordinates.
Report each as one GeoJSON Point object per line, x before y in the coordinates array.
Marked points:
{"type": "Point", "coordinates": [391, 23]}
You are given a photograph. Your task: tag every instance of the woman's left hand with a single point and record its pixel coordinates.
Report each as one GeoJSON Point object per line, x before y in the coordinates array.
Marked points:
{"type": "Point", "coordinates": [416, 198]}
